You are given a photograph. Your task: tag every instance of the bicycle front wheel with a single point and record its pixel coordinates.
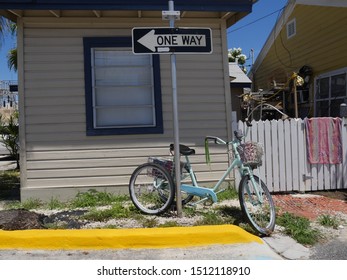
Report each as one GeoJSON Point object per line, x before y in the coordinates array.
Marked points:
{"type": "Point", "coordinates": [258, 210]}
{"type": "Point", "coordinates": [151, 188]}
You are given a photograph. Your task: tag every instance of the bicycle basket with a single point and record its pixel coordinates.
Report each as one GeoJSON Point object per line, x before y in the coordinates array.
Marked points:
{"type": "Point", "coordinates": [168, 164]}
{"type": "Point", "coordinates": [251, 154]}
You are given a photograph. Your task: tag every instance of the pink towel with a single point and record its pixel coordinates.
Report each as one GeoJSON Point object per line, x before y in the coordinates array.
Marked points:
{"type": "Point", "coordinates": [324, 140]}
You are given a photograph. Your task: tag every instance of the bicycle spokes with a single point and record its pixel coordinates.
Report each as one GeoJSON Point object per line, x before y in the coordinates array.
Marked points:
{"type": "Point", "coordinates": [151, 188]}
{"type": "Point", "coordinates": [257, 204]}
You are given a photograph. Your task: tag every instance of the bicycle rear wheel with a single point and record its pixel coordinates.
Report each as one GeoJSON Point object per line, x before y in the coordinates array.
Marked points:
{"type": "Point", "coordinates": [151, 188]}
{"type": "Point", "coordinates": [259, 214]}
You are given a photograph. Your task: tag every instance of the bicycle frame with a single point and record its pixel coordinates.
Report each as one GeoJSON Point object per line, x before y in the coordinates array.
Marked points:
{"type": "Point", "coordinates": [207, 193]}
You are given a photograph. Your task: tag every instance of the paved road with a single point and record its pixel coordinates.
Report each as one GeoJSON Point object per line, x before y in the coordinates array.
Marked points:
{"type": "Point", "coordinates": [249, 251]}
{"type": "Point", "coordinates": [335, 249]}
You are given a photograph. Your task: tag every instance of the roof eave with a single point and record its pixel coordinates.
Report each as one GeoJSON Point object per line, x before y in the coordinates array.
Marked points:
{"type": "Point", "coordinates": [152, 5]}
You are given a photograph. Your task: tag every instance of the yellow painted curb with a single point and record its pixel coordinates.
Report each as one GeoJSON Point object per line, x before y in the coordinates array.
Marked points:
{"type": "Point", "coordinates": [142, 238]}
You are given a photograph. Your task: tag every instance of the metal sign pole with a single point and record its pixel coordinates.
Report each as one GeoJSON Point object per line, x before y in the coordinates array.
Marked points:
{"type": "Point", "coordinates": [175, 120]}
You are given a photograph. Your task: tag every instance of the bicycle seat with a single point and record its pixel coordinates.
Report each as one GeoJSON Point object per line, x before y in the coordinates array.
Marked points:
{"type": "Point", "coordinates": [184, 150]}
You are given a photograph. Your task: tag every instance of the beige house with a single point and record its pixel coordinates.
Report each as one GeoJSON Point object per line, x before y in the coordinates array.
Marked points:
{"type": "Point", "coordinates": [91, 110]}
{"type": "Point", "coordinates": [309, 37]}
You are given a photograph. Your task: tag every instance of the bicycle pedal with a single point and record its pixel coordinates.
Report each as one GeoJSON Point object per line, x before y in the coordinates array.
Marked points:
{"type": "Point", "coordinates": [208, 202]}
{"type": "Point", "coordinates": [190, 204]}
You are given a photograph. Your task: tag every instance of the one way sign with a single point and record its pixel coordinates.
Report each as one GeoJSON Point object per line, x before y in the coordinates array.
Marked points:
{"type": "Point", "coordinates": [171, 40]}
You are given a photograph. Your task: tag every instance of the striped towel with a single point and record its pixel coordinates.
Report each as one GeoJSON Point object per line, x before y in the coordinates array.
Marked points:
{"type": "Point", "coordinates": [323, 137]}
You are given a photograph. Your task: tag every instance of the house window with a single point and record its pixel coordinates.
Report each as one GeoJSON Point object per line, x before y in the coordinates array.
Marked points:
{"type": "Point", "coordinates": [330, 92]}
{"type": "Point", "coordinates": [123, 91]}
{"type": "Point", "coordinates": [291, 28]}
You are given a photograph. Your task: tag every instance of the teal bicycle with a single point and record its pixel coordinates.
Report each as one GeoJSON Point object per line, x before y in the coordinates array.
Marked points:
{"type": "Point", "coordinates": [152, 184]}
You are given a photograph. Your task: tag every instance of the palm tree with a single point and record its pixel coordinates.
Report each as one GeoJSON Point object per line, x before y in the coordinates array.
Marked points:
{"type": "Point", "coordinates": [12, 59]}
{"type": "Point", "coordinates": [9, 27]}
{"type": "Point", "coordinates": [12, 54]}
{"type": "Point", "coordinates": [6, 26]}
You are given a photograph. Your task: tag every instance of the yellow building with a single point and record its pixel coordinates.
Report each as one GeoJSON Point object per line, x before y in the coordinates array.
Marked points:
{"type": "Point", "coordinates": [310, 38]}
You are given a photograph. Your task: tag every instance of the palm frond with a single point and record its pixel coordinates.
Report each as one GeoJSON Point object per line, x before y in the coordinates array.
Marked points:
{"type": "Point", "coordinates": [12, 59]}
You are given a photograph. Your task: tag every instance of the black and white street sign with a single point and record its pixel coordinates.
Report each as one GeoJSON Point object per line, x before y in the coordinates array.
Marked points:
{"type": "Point", "coordinates": [171, 40]}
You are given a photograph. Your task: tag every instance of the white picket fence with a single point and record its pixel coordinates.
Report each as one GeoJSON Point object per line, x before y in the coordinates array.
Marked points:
{"type": "Point", "coordinates": [285, 164]}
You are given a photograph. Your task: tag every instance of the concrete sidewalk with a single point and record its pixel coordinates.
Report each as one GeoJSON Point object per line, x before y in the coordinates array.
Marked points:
{"type": "Point", "coordinates": [202, 242]}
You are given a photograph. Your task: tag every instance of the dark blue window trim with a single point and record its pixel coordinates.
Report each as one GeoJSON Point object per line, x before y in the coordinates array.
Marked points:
{"type": "Point", "coordinates": [104, 42]}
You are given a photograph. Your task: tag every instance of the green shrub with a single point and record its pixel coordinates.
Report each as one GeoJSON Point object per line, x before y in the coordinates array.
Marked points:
{"type": "Point", "coordinates": [9, 134]}
{"type": "Point", "coordinates": [328, 221]}
{"type": "Point", "coordinates": [298, 228]}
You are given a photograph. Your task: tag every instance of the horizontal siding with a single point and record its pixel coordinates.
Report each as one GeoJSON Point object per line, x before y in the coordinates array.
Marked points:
{"type": "Point", "coordinates": [319, 42]}
{"type": "Point", "coordinates": [58, 152]}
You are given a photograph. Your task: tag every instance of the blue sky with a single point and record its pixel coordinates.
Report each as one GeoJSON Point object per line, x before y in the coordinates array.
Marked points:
{"type": "Point", "coordinates": [252, 31]}
{"type": "Point", "coordinates": [5, 45]}
{"type": "Point", "coordinates": [249, 33]}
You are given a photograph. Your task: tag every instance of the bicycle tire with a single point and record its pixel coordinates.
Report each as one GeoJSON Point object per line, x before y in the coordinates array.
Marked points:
{"type": "Point", "coordinates": [151, 188]}
{"type": "Point", "coordinates": [261, 216]}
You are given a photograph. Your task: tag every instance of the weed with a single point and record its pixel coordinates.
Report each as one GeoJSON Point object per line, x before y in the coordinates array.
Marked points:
{"type": "Point", "coordinates": [150, 222]}
{"type": "Point", "coordinates": [54, 203]}
{"type": "Point", "coordinates": [233, 214]}
{"type": "Point", "coordinates": [328, 221]}
{"type": "Point", "coordinates": [57, 225]}
{"type": "Point", "coordinates": [93, 198]}
{"type": "Point", "coordinates": [111, 227]}
{"type": "Point", "coordinates": [169, 224]}
{"type": "Point", "coordinates": [229, 193]}
{"type": "Point", "coordinates": [31, 203]}
{"type": "Point", "coordinates": [247, 227]}
{"type": "Point", "coordinates": [12, 205]}
{"type": "Point", "coordinates": [117, 211]}
{"type": "Point", "coordinates": [211, 218]}
{"type": "Point", "coordinates": [189, 211]}
{"type": "Point", "coordinates": [299, 228]}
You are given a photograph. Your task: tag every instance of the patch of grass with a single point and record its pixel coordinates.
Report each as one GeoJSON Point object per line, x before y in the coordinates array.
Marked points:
{"type": "Point", "coordinates": [211, 218]}
{"type": "Point", "coordinates": [29, 204]}
{"type": "Point", "coordinates": [299, 228]}
{"type": "Point", "coordinates": [111, 227]}
{"type": "Point", "coordinates": [32, 203]}
{"type": "Point", "coordinates": [93, 198]}
{"type": "Point", "coordinates": [12, 205]}
{"type": "Point", "coordinates": [328, 221]}
{"type": "Point", "coordinates": [150, 222]}
{"type": "Point", "coordinates": [117, 211]}
{"type": "Point", "coordinates": [56, 225]}
{"type": "Point", "coordinates": [54, 203]}
{"type": "Point", "coordinates": [247, 227]}
{"type": "Point", "coordinates": [229, 193]}
{"type": "Point", "coordinates": [169, 224]}
{"type": "Point", "coordinates": [231, 213]}
{"type": "Point", "coordinates": [189, 211]}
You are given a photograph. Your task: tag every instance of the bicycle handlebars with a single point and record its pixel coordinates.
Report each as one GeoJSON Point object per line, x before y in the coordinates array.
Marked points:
{"type": "Point", "coordinates": [239, 134]}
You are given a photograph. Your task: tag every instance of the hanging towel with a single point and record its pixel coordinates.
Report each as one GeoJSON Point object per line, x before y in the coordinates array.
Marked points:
{"type": "Point", "coordinates": [323, 137]}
